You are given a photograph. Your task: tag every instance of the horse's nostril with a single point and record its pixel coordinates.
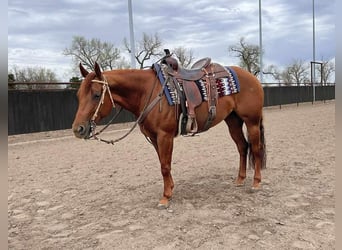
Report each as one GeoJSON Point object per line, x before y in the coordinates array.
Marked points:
{"type": "Point", "coordinates": [81, 129]}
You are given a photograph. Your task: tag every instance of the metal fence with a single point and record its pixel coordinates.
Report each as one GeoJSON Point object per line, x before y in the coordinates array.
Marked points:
{"type": "Point", "coordinates": [281, 95]}
{"type": "Point", "coordinates": [46, 110]}
{"type": "Point", "coordinates": [36, 110]}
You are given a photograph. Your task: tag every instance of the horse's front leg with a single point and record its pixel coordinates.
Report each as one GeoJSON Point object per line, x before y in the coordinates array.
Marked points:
{"type": "Point", "coordinates": [164, 147]}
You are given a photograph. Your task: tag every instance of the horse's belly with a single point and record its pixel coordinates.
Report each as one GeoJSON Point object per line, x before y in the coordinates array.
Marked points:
{"type": "Point", "coordinates": [224, 107]}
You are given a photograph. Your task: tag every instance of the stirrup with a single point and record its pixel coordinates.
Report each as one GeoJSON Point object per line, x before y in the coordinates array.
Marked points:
{"type": "Point", "coordinates": [191, 126]}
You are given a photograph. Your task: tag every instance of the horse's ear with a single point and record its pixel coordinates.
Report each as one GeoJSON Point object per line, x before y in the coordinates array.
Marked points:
{"type": "Point", "coordinates": [97, 70]}
{"type": "Point", "coordinates": [84, 72]}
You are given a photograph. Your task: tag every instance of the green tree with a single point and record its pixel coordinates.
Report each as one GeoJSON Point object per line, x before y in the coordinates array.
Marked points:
{"type": "Point", "coordinates": [11, 77]}
{"type": "Point", "coordinates": [75, 79]}
{"type": "Point", "coordinates": [75, 82]}
{"type": "Point", "coordinates": [11, 80]}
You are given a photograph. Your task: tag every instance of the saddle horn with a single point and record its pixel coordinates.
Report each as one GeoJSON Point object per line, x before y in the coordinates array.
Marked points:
{"type": "Point", "coordinates": [167, 52]}
{"type": "Point", "coordinates": [169, 60]}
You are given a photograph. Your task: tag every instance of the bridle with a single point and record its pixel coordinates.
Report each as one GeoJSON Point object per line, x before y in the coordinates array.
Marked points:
{"type": "Point", "coordinates": [147, 108]}
{"type": "Point", "coordinates": [105, 89]}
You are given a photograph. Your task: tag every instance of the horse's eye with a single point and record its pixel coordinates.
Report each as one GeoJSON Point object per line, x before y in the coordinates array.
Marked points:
{"type": "Point", "coordinates": [97, 96]}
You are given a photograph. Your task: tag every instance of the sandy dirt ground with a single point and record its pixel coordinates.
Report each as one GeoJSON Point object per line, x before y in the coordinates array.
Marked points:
{"type": "Point", "coordinates": [66, 193]}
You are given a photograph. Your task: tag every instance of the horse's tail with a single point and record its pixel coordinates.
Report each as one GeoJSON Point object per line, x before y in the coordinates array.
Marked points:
{"type": "Point", "coordinates": [263, 145]}
{"type": "Point", "coordinates": [263, 153]}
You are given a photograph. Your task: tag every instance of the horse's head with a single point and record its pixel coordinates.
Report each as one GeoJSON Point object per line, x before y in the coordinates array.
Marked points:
{"type": "Point", "coordinates": [94, 102]}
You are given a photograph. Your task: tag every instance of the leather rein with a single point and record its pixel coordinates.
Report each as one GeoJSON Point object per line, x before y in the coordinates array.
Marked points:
{"type": "Point", "coordinates": [145, 111]}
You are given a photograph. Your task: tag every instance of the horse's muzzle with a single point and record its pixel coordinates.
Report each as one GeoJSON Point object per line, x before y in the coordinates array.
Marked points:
{"type": "Point", "coordinates": [82, 131]}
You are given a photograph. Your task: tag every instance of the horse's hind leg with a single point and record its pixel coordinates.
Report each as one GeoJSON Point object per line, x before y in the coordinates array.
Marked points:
{"type": "Point", "coordinates": [235, 123]}
{"type": "Point", "coordinates": [255, 137]}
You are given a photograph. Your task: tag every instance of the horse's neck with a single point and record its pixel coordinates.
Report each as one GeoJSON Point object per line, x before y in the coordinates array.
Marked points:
{"type": "Point", "coordinates": [129, 88]}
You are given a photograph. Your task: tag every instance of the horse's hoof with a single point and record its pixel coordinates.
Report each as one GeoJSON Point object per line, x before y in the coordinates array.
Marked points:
{"type": "Point", "coordinates": [256, 187]}
{"type": "Point", "coordinates": [239, 183]}
{"type": "Point", "coordinates": [163, 204]}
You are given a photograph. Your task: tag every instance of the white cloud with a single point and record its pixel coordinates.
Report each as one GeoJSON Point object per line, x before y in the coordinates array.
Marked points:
{"type": "Point", "coordinates": [53, 60]}
{"type": "Point", "coordinates": [39, 31]}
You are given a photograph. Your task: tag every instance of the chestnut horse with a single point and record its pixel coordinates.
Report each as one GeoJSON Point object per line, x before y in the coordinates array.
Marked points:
{"type": "Point", "coordinates": [134, 89]}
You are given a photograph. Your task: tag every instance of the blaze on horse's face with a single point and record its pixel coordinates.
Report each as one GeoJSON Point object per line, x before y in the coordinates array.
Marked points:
{"type": "Point", "coordinates": [89, 95]}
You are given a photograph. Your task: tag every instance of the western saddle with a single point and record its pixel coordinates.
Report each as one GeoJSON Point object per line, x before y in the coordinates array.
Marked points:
{"type": "Point", "coordinates": [203, 70]}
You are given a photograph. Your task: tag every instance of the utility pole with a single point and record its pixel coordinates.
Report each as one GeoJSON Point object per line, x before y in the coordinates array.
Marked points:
{"type": "Point", "coordinates": [260, 44]}
{"type": "Point", "coordinates": [313, 52]}
{"type": "Point", "coordinates": [131, 32]}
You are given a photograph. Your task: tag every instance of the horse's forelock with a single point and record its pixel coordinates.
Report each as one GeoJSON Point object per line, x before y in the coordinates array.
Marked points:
{"type": "Point", "coordinates": [86, 83]}
{"type": "Point", "coordinates": [91, 76]}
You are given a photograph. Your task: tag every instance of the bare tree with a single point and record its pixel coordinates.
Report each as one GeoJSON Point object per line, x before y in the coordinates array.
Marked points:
{"type": "Point", "coordinates": [184, 56]}
{"type": "Point", "coordinates": [31, 75]}
{"type": "Point", "coordinates": [273, 71]}
{"type": "Point", "coordinates": [122, 64]}
{"type": "Point", "coordinates": [325, 71]}
{"type": "Point", "coordinates": [286, 76]}
{"type": "Point", "coordinates": [147, 48]}
{"type": "Point", "coordinates": [90, 51]}
{"type": "Point", "coordinates": [248, 54]}
{"type": "Point", "coordinates": [296, 73]}
{"type": "Point", "coordinates": [299, 71]}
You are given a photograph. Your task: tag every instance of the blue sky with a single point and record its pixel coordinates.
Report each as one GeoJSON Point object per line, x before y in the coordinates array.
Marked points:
{"type": "Point", "coordinates": [39, 31]}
